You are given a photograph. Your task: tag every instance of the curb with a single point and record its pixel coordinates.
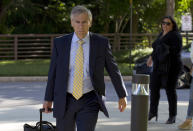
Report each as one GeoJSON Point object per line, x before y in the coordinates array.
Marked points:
{"type": "Point", "coordinates": [43, 78]}
{"type": "Point", "coordinates": [24, 79]}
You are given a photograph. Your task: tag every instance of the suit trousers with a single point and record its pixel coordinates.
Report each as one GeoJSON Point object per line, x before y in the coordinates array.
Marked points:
{"type": "Point", "coordinates": [80, 115]}
{"type": "Point", "coordinates": [169, 83]}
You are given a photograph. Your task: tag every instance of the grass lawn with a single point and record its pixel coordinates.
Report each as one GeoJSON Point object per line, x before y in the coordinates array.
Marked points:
{"type": "Point", "coordinates": [37, 68]}
{"type": "Point", "coordinates": [41, 67]}
{"type": "Point", "coordinates": [24, 68]}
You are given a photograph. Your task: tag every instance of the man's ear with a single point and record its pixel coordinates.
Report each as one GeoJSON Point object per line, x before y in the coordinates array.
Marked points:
{"type": "Point", "coordinates": [71, 22]}
{"type": "Point", "coordinates": [90, 24]}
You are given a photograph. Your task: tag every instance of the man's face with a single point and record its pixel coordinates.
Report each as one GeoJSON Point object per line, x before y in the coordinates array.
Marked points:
{"type": "Point", "coordinates": [80, 24]}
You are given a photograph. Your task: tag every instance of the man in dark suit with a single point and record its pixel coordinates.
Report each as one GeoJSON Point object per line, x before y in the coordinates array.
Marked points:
{"type": "Point", "coordinates": [76, 76]}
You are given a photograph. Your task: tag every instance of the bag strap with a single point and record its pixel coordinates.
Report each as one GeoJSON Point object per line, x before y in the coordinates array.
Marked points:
{"type": "Point", "coordinates": [29, 126]}
{"type": "Point", "coordinates": [48, 124]}
{"type": "Point", "coordinates": [43, 110]}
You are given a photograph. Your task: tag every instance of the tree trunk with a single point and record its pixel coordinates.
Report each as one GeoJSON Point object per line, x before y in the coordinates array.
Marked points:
{"type": "Point", "coordinates": [170, 7]}
{"type": "Point", "coordinates": [1, 8]}
{"type": "Point", "coordinates": [116, 43]}
{"type": "Point", "coordinates": [191, 8]}
{"type": "Point", "coordinates": [107, 22]}
{"type": "Point", "coordinates": [135, 21]}
{"type": "Point", "coordinates": [4, 9]}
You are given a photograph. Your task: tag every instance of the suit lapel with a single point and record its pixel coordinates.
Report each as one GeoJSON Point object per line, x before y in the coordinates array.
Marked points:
{"type": "Point", "coordinates": [66, 51]}
{"type": "Point", "coordinates": [92, 53]}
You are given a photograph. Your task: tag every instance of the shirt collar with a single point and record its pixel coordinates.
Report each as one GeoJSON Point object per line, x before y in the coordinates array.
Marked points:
{"type": "Point", "coordinates": [75, 38]}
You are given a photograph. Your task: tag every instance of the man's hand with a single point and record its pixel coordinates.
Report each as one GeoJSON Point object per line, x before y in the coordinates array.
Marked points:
{"type": "Point", "coordinates": [46, 105]}
{"type": "Point", "coordinates": [122, 104]}
{"type": "Point", "coordinates": [191, 70]}
{"type": "Point", "coordinates": [149, 61]}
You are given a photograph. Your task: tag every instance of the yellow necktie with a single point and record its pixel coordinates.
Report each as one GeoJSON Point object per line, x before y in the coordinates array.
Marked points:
{"type": "Point", "coordinates": [78, 73]}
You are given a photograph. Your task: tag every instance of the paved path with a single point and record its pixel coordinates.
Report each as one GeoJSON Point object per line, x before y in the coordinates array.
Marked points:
{"type": "Point", "coordinates": [20, 101]}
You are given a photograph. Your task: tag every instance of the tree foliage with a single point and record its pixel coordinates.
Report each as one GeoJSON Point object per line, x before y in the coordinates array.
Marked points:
{"type": "Point", "coordinates": [109, 16]}
{"type": "Point", "coordinates": [32, 16]}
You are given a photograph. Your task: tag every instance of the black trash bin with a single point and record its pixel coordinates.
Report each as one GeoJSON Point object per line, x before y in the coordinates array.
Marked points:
{"type": "Point", "coordinates": [139, 102]}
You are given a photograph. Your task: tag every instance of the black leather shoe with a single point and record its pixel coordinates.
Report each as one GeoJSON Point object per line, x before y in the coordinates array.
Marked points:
{"type": "Point", "coordinates": [152, 116]}
{"type": "Point", "coordinates": [171, 120]}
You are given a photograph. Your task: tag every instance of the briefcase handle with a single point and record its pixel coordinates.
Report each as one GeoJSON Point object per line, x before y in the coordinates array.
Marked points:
{"type": "Point", "coordinates": [41, 111]}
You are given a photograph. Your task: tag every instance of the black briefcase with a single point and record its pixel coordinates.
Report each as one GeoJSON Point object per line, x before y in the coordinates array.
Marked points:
{"type": "Point", "coordinates": [41, 125]}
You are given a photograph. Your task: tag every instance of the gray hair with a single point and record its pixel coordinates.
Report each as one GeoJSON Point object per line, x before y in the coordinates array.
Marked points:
{"type": "Point", "coordinates": [80, 10]}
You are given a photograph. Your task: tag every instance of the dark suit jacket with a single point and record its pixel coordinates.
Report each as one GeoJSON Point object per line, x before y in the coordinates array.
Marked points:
{"type": "Point", "coordinates": [100, 57]}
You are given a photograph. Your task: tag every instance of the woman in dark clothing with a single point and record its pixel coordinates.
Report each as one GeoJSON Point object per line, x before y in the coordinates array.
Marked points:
{"type": "Point", "coordinates": [166, 68]}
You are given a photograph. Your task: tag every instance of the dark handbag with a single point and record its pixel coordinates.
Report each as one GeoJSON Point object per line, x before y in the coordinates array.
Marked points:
{"type": "Point", "coordinates": [41, 125]}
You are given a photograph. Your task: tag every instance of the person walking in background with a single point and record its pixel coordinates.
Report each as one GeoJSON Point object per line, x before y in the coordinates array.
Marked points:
{"type": "Point", "coordinates": [187, 124]}
{"type": "Point", "coordinates": [166, 68]}
{"type": "Point", "coordinates": [76, 76]}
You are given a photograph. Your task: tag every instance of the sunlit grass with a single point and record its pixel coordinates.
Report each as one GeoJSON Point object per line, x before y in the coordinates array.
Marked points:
{"type": "Point", "coordinates": [7, 62]}
{"type": "Point", "coordinates": [24, 68]}
{"type": "Point", "coordinates": [40, 68]}
{"type": "Point", "coordinates": [130, 57]}
{"type": "Point", "coordinates": [125, 61]}
{"type": "Point", "coordinates": [26, 62]}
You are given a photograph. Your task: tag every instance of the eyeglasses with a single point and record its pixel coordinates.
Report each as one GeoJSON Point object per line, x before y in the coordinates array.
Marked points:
{"type": "Point", "coordinates": [166, 23]}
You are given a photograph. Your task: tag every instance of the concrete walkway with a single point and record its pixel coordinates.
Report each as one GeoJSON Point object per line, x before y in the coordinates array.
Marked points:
{"type": "Point", "coordinates": [13, 118]}
{"type": "Point", "coordinates": [19, 104]}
